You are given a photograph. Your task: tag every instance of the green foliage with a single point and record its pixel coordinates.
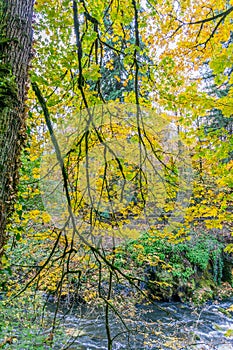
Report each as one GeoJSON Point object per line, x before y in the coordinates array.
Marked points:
{"type": "Point", "coordinates": [25, 324]}
{"type": "Point", "coordinates": [29, 195]}
{"type": "Point", "coordinates": [183, 259]}
{"type": "Point", "coordinates": [179, 271]}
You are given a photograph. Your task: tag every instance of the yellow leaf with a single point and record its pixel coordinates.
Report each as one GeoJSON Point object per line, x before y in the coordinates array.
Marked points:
{"type": "Point", "coordinates": [229, 333]}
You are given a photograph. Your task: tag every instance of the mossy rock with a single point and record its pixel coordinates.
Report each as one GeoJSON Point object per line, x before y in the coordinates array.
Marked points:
{"type": "Point", "coordinates": [190, 270]}
{"type": "Point", "coordinates": [198, 288]}
{"type": "Point", "coordinates": [201, 295]}
{"type": "Point", "coordinates": [160, 285]}
{"type": "Point", "coordinates": [227, 274]}
{"type": "Point", "coordinates": [225, 290]}
{"type": "Point", "coordinates": [206, 287]}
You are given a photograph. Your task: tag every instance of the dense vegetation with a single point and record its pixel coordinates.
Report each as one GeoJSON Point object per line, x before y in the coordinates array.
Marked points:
{"type": "Point", "coordinates": [125, 189]}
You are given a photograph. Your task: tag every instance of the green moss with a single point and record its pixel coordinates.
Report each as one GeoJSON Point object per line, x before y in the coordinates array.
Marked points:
{"type": "Point", "coordinates": [8, 87]}
{"type": "Point", "coordinates": [190, 270]}
{"type": "Point", "coordinates": [205, 287]}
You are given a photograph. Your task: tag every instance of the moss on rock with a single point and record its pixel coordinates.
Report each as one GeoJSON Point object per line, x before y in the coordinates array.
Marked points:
{"type": "Point", "coordinates": [189, 271]}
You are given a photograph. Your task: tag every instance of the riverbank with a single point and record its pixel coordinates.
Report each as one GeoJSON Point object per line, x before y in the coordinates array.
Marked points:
{"type": "Point", "coordinates": [152, 292]}
{"type": "Point", "coordinates": [194, 269]}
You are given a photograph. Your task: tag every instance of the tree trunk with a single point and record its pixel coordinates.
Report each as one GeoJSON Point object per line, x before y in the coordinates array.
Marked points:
{"type": "Point", "coordinates": [15, 51]}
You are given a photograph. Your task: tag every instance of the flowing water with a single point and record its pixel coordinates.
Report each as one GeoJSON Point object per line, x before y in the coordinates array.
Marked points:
{"type": "Point", "coordinates": [161, 326]}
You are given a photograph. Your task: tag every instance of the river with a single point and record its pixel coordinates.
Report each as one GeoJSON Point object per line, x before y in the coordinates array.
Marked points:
{"type": "Point", "coordinates": [162, 326]}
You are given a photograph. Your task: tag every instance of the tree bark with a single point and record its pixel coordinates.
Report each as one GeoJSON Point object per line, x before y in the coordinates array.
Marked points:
{"type": "Point", "coordinates": [15, 51]}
